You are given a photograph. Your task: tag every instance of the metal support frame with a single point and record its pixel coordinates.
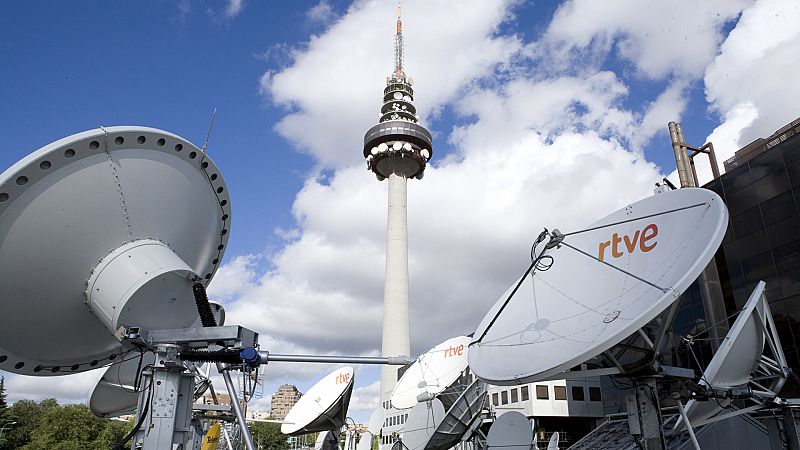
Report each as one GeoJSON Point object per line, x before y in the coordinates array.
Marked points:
{"type": "Point", "coordinates": [168, 402]}
{"type": "Point", "coordinates": [644, 415]}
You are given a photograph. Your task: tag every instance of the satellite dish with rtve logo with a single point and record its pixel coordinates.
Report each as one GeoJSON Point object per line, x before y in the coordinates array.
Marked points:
{"type": "Point", "coordinates": [100, 232]}
{"type": "Point", "coordinates": [323, 407]}
{"type": "Point", "coordinates": [606, 281]}
{"type": "Point", "coordinates": [433, 372]}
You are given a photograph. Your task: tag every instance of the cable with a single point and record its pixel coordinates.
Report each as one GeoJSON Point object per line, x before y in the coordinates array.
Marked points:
{"type": "Point", "coordinates": [203, 306]}
{"type": "Point", "coordinates": [121, 444]}
{"type": "Point", "coordinates": [531, 267]}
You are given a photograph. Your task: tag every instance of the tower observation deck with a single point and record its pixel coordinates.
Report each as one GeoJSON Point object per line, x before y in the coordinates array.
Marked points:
{"type": "Point", "coordinates": [396, 149]}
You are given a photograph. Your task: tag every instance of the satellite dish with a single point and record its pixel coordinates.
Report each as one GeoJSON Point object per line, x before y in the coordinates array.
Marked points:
{"type": "Point", "coordinates": [323, 407]}
{"type": "Point", "coordinates": [580, 307]}
{"type": "Point", "coordinates": [510, 431]}
{"type": "Point", "coordinates": [327, 440]}
{"type": "Point", "coordinates": [99, 231]}
{"type": "Point", "coordinates": [459, 417]}
{"type": "Point", "coordinates": [553, 444]}
{"type": "Point", "coordinates": [736, 359]}
{"type": "Point", "coordinates": [376, 421]}
{"type": "Point", "coordinates": [116, 392]}
{"type": "Point", "coordinates": [421, 423]}
{"type": "Point", "coordinates": [432, 372]}
{"type": "Point", "coordinates": [365, 442]}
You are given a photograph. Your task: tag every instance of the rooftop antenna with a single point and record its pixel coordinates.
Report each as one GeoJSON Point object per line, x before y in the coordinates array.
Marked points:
{"type": "Point", "coordinates": [398, 46]}
{"type": "Point", "coordinates": [208, 134]}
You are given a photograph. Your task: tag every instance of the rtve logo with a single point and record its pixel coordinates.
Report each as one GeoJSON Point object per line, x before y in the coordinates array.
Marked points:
{"type": "Point", "coordinates": [639, 239]}
{"type": "Point", "coordinates": [342, 378]}
{"type": "Point", "coordinates": [453, 351]}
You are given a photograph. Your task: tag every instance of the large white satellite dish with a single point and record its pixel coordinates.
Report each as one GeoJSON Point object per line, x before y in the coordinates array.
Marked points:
{"type": "Point", "coordinates": [421, 423]}
{"type": "Point", "coordinates": [737, 359]}
{"type": "Point", "coordinates": [116, 392]}
{"type": "Point", "coordinates": [510, 431]}
{"type": "Point", "coordinates": [99, 231]}
{"type": "Point", "coordinates": [581, 307]}
{"type": "Point", "coordinates": [323, 407]}
{"type": "Point", "coordinates": [433, 372]}
{"type": "Point", "coordinates": [459, 418]}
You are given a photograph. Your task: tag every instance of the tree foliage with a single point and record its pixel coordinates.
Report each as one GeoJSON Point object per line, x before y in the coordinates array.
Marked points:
{"type": "Point", "coordinates": [46, 425]}
{"type": "Point", "coordinates": [268, 436]}
{"type": "Point", "coordinates": [3, 405]}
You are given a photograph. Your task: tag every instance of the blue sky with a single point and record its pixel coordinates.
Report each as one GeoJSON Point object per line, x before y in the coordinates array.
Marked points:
{"type": "Point", "coordinates": [543, 113]}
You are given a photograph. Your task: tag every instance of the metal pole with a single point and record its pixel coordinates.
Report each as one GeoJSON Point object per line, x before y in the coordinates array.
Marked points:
{"type": "Point", "coordinates": [688, 426]}
{"type": "Point", "coordinates": [237, 408]}
{"type": "Point", "coordinates": [268, 357]}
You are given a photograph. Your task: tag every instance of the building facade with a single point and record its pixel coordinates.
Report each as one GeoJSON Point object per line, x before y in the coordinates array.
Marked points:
{"type": "Point", "coordinates": [762, 191]}
{"type": "Point", "coordinates": [282, 401]}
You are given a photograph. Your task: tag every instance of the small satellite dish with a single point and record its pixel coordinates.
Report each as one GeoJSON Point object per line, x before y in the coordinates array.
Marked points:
{"type": "Point", "coordinates": [459, 417]}
{"type": "Point", "coordinates": [115, 393]}
{"type": "Point", "coordinates": [398, 95]}
{"type": "Point", "coordinates": [422, 421]}
{"type": "Point", "coordinates": [99, 231]}
{"type": "Point", "coordinates": [365, 442]}
{"type": "Point", "coordinates": [376, 421]}
{"type": "Point", "coordinates": [553, 444]}
{"type": "Point", "coordinates": [736, 360]}
{"type": "Point", "coordinates": [323, 407]}
{"type": "Point", "coordinates": [327, 440]}
{"type": "Point", "coordinates": [510, 431]}
{"type": "Point", "coordinates": [651, 251]}
{"type": "Point", "coordinates": [433, 372]}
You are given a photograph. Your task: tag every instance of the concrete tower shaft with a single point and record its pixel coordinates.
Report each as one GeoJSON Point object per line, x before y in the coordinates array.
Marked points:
{"type": "Point", "coordinates": [397, 148]}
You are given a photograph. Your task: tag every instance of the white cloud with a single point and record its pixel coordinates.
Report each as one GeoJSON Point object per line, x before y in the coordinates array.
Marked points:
{"type": "Point", "coordinates": [233, 8]}
{"type": "Point", "coordinates": [333, 89]}
{"type": "Point", "coordinates": [755, 67]}
{"type": "Point", "coordinates": [322, 12]}
{"type": "Point", "coordinates": [67, 389]}
{"type": "Point", "coordinates": [659, 38]}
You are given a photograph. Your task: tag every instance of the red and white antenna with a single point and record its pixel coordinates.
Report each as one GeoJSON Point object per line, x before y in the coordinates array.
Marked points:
{"type": "Point", "coordinates": [398, 47]}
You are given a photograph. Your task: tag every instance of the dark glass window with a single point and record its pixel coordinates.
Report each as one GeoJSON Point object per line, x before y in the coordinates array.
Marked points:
{"type": "Point", "coordinates": [784, 232]}
{"type": "Point", "coordinates": [772, 185]}
{"type": "Point", "coordinates": [504, 397]}
{"type": "Point", "coordinates": [560, 392]}
{"type": "Point", "coordinates": [514, 396]}
{"type": "Point", "coordinates": [594, 394]}
{"type": "Point", "coordinates": [765, 164]}
{"type": "Point", "coordinates": [524, 391]}
{"type": "Point", "coordinates": [577, 393]}
{"type": "Point", "coordinates": [541, 392]}
{"type": "Point", "coordinates": [753, 244]}
{"type": "Point", "coordinates": [778, 208]}
{"type": "Point", "coordinates": [495, 399]}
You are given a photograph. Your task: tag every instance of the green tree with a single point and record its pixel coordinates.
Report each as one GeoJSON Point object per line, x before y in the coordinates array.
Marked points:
{"type": "Point", "coordinates": [3, 405]}
{"type": "Point", "coordinates": [28, 415]}
{"type": "Point", "coordinates": [74, 427]}
{"type": "Point", "coordinates": [268, 436]}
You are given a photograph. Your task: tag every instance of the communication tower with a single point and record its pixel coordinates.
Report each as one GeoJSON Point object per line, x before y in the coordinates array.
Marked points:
{"type": "Point", "coordinates": [397, 148]}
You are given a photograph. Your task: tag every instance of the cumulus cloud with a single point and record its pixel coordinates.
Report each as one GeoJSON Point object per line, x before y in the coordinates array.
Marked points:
{"type": "Point", "coordinates": [322, 12]}
{"type": "Point", "coordinates": [659, 38]}
{"type": "Point", "coordinates": [333, 87]}
{"type": "Point", "coordinates": [753, 66]}
{"type": "Point", "coordinates": [233, 8]}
